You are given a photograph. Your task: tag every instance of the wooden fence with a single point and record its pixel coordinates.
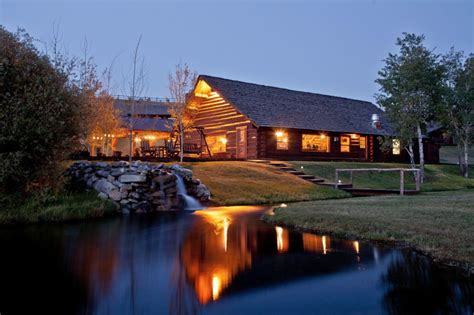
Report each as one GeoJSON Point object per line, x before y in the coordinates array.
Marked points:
{"type": "Point", "coordinates": [401, 170]}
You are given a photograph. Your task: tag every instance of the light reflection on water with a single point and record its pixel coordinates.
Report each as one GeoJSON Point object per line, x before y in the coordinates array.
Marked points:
{"type": "Point", "coordinates": [221, 260]}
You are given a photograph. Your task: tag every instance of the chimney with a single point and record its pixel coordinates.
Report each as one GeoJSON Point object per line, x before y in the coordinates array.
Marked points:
{"type": "Point", "coordinates": [375, 121]}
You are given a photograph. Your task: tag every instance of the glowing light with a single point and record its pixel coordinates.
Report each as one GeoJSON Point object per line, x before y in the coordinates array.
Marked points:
{"type": "Point", "coordinates": [354, 136]}
{"type": "Point", "coordinates": [137, 139]}
{"type": "Point", "coordinates": [339, 181]}
{"type": "Point", "coordinates": [302, 167]}
{"type": "Point", "coordinates": [283, 205]}
{"type": "Point", "coordinates": [323, 136]}
{"type": "Point", "coordinates": [285, 140]}
{"type": "Point", "coordinates": [224, 232]}
{"type": "Point", "coordinates": [324, 245]}
{"type": "Point", "coordinates": [216, 287]}
{"type": "Point", "coordinates": [223, 140]}
{"type": "Point", "coordinates": [282, 239]}
{"type": "Point", "coordinates": [356, 246]}
{"type": "Point", "coordinates": [279, 134]}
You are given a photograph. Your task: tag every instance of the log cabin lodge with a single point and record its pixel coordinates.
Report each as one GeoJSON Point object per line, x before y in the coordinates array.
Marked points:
{"type": "Point", "coordinates": [239, 120]}
{"type": "Point", "coordinates": [251, 121]}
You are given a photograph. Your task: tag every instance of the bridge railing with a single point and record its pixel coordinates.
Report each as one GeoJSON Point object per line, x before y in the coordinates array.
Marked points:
{"type": "Point", "coordinates": [402, 171]}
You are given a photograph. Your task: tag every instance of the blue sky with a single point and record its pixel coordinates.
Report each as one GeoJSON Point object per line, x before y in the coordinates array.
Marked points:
{"type": "Point", "coordinates": [329, 47]}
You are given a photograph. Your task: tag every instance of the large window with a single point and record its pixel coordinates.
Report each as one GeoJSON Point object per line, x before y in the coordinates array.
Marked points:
{"type": "Point", "coordinates": [217, 144]}
{"type": "Point", "coordinates": [315, 143]}
{"type": "Point", "coordinates": [345, 144]}
{"type": "Point", "coordinates": [282, 140]}
{"type": "Point", "coordinates": [396, 146]}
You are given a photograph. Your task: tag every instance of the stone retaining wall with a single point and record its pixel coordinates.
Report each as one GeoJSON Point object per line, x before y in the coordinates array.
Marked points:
{"type": "Point", "coordinates": [139, 187]}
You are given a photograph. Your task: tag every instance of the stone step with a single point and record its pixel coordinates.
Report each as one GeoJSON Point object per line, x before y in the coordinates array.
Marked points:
{"type": "Point", "coordinates": [298, 173]}
{"type": "Point", "coordinates": [287, 169]}
{"type": "Point", "coordinates": [332, 185]}
{"type": "Point", "coordinates": [307, 177]}
{"type": "Point", "coordinates": [316, 180]}
{"type": "Point", "coordinates": [260, 161]}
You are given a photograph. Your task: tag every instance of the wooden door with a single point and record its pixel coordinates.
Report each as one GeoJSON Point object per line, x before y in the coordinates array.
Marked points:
{"type": "Point", "coordinates": [241, 142]}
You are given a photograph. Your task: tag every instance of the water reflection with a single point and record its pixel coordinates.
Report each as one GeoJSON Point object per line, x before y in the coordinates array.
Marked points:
{"type": "Point", "coordinates": [222, 260]}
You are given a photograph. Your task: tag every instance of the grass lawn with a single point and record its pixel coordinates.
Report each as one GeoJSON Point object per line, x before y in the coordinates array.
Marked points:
{"type": "Point", "coordinates": [437, 223]}
{"type": "Point", "coordinates": [437, 177]}
{"type": "Point", "coordinates": [239, 183]}
{"type": "Point", "coordinates": [71, 206]}
{"type": "Point", "coordinates": [449, 154]}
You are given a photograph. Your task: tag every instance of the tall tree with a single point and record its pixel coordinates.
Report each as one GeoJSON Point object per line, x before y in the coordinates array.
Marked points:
{"type": "Point", "coordinates": [410, 85]}
{"type": "Point", "coordinates": [457, 107]}
{"type": "Point", "coordinates": [39, 115]}
{"type": "Point", "coordinates": [181, 82]}
{"type": "Point", "coordinates": [136, 86]}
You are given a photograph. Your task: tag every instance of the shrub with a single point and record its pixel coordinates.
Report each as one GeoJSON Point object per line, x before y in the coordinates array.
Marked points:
{"type": "Point", "coordinates": [39, 116]}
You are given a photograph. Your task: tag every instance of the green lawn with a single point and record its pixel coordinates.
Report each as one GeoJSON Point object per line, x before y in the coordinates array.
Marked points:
{"type": "Point", "coordinates": [238, 183]}
{"type": "Point", "coordinates": [70, 206]}
{"type": "Point", "coordinates": [437, 177]}
{"type": "Point", "coordinates": [438, 223]}
{"type": "Point", "coordinates": [449, 154]}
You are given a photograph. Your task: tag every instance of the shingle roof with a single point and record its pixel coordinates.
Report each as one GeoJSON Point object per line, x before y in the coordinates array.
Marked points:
{"type": "Point", "coordinates": [149, 124]}
{"type": "Point", "coordinates": [142, 107]}
{"type": "Point", "coordinates": [276, 107]}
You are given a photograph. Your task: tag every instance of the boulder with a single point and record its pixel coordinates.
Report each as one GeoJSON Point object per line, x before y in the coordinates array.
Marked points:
{"type": "Point", "coordinates": [131, 178]}
{"type": "Point", "coordinates": [102, 185]}
{"type": "Point", "coordinates": [101, 195]}
{"type": "Point", "coordinates": [115, 195]}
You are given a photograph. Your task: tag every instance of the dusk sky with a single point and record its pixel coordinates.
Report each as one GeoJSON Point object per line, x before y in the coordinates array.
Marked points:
{"type": "Point", "coordinates": [328, 47]}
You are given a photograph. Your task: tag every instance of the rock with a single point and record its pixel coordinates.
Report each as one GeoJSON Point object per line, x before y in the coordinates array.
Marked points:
{"type": "Point", "coordinates": [124, 195]}
{"type": "Point", "coordinates": [88, 170]}
{"type": "Point", "coordinates": [101, 195]}
{"type": "Point", "coordinates": [110, 178]}
{"type": "Point", "coordinates": [125, 188]}
{"type": "Point", "coordinates": [158, 194]}
{"type": "Point", "coordinates": [104, 186]}
{"type": "Point", "coordinates": [115, 195]}
{"type": "Point", "coordinates": [117, 172]}
{"type": "Point", "coordinates": [134, 195]}
{"type": "Point", "coordinates": [130, 178]}
{"type": "Point", "coordinates": [181, 171]}
{"type": "Point", "coordinates": [102, 173]}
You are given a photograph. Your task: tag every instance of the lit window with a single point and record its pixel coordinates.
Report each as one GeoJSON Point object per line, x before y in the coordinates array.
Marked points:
{"type": "Point", "coordinates": [217, 144]}
{"type": "Point", "coordinates": [282, 140]}
{"type": "Point", "coordinates": [345, 144]}
{"type": "Point", "coordinates": [315, 143]}
{"type": "Point", "coordinates": [396, 146]}
{"type": "Point", "coordinates": [363, 142]}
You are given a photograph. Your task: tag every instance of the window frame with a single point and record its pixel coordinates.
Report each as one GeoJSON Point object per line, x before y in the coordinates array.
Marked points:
{"type": "Point", "coordinates": [326, 137]}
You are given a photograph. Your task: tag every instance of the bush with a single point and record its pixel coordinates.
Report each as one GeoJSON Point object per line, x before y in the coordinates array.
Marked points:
{"type": "Point", "coordinates": [39, 116]}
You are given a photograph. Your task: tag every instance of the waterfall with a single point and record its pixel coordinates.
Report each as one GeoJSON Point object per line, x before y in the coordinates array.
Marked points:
{"type": "Point", "coordinates": [190, 204]}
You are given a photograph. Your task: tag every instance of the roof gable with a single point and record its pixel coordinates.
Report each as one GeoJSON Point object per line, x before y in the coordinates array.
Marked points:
{"type": "Point", "coordinates": [276, 107]}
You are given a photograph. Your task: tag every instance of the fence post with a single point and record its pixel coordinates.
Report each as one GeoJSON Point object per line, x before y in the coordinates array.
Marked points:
{"type": "Point", "coordinates": [336, 179]}
{"type": "Point", "coordinates": [402, 183]}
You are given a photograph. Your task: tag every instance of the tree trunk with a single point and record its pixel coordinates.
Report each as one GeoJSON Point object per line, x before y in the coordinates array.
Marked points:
{"type": "Point", "coordinates": [460, 154]}
{"type": "Point", "coordinates": [466, 159]}
{"type": "Point", "coordinates": [411, 154]}
{"type": "Point", "coordinates": [421, 152]}
{"type": "Point", "coordinates": [181, 149]}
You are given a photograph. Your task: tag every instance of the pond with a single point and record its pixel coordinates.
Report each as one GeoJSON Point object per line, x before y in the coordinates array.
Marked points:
{"type": "Point", "coordinates": [217, 261]}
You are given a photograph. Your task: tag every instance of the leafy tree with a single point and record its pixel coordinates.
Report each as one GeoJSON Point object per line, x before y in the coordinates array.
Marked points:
{"type": "Point", "coordinates": [457, 107]}
{"type": "Point", "coordinates": [39, 115]}
{"type": "Point", "coordinates": [410, 87]}
{"type": "Point", "coordinates": [181, 82]}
